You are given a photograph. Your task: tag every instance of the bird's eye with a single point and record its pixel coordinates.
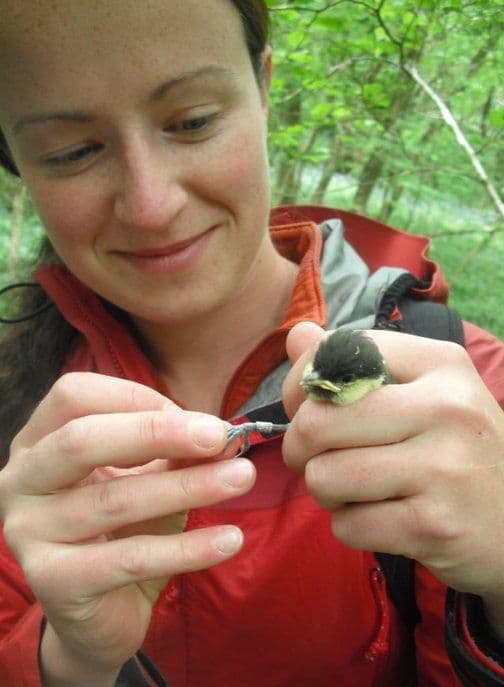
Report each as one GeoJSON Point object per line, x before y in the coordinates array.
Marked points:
{"type": "Point", "coordinates": [347, 379]}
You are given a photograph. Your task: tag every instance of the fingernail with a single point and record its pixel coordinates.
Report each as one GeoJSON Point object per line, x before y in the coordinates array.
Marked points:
{"type": "Point", "coordinates": [207, 432]}
{"type": "Point", "coordinates": [228, 540]}
{"type": "Point", "coordinates": [236, 472]}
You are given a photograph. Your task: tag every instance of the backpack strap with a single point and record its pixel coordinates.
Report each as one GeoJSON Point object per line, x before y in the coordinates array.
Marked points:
{"type": "Point", "coordinates": [434, 321]}
{"type": "Point", "coordinates": [399, 574]}
{"type": "Point", "coordinates": [400, 309]}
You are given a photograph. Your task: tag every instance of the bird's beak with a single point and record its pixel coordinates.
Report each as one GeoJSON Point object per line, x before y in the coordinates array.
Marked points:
{"type": "Point", "coordinates": [312, 380]}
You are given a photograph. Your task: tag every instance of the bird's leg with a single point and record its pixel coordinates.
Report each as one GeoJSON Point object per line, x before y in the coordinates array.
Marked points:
{"type": "Point", "coordinates": [265, 429]}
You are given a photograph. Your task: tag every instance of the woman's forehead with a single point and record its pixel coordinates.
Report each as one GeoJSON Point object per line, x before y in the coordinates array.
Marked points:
{"type": "Point", "coordinates": [51, 46]}
{"type": "Point", "coordinates": [69, 20]}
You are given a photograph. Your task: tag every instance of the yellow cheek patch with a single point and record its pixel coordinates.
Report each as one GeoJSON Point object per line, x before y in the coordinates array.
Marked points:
{"type": "Point", "coordinates": [340, 394]}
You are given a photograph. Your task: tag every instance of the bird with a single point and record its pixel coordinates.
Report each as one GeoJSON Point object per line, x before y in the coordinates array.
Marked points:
{"type": "Point", "coordinates": [347, 366]}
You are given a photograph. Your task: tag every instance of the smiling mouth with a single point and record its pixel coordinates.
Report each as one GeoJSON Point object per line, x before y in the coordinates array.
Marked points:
{"type": "Point", "coordinates": [165, 251]}
{"type": "Point", "coordinates": [172, 258]}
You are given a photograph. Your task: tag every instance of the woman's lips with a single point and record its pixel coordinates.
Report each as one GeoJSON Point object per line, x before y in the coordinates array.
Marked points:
{"type": "Point", "coordinates": [166, 259]}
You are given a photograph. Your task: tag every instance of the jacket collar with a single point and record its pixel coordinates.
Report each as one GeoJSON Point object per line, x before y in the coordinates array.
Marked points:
{"type": "Point", "coordinates": [107, 346]}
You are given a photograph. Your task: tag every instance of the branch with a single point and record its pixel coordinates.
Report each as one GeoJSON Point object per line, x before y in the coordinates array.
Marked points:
{"type": "Point", "coordinates": [489, 231]}
{"type": "Point", "coordinates": [18, 206]}
{"type": "Point", "coordinates": [329, 73]}
{"type": "Point", "coordinates": [461, 139]}
{"type": "Point", "coordinates": [473, 254]}
{"type": "Point", "coordinates": [312, 10]}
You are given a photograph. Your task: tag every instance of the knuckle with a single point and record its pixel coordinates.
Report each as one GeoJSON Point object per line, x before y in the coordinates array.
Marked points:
{"type": "Point", "coordinates": [66, 388]}
{"type": "Point", "coordinates": [133, 399]}
{"type": "Point", "coordinates": [433, 522]}
{"type": "Point", "coordinates": [34, 572]}
{"type": "Point", "coordinates": [152, 428]}
{"type": "Point", "coordinates": [11, 533]}
{"type": "Point", "coordinates": [318, 480]}
{"type": "Point", "coordinates": [7, 489]}
{"type": "Point", "coordinates": [186, 553]}
{"type": "Point", "coordinates": [72, 439]}
{"type": "Point", "coordinates": [41, 569]}
{"type": "Point", "coordinates": [442, 352]}
{"type": "Point", "coordinates": [134, 559]}
{"type": "Point", "coordinates": [463, 408]}
{"type": "Point", "coordinates": [455, 354]}
{"type": "Point", "coordinates": [307, 424]}
{"type": "Point", "coordinates": [16, 446]}
{"type": "Point", "coordinates": [187, 482]}
{"type": "Point", "coordinates": [110, 498]}
{"type": "Point", "coordinates": [138, 397]}
{"type": "Point", "coordinates": [17, 528]}
{"type": "Point", "coordinates": [341, 528]}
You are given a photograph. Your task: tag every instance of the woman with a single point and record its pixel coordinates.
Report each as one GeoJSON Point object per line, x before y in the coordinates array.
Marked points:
{"type": "Point", "coordinates": [140, 131]}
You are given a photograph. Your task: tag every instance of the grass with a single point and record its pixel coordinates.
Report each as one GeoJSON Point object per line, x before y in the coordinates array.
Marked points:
{"type": "Point", "coordinates": [477, 291]}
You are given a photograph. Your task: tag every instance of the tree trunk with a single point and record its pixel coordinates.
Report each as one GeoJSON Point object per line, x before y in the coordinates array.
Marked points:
{"type": "Point", "coordinates": [372, 169]}
{"type": "Point", "coordinates": [291, 115]}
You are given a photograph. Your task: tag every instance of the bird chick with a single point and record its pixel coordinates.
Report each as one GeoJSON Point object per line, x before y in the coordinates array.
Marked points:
{"type": "Point", "coordinates": [347, 366]}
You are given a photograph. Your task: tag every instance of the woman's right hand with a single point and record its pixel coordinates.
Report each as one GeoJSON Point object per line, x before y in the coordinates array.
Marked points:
{"type": "Point", "coordinates": [92, 501]}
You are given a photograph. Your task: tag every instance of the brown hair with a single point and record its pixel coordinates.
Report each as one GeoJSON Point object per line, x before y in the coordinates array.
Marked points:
{"type": "Point", "coordinates": [6, 160]}
{"type": "Point", "coordinates": [33, 352]}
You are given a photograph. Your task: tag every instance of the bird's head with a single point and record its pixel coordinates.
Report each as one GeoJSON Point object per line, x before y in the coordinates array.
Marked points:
{"type": "Point", "coordinates": [347, 365]}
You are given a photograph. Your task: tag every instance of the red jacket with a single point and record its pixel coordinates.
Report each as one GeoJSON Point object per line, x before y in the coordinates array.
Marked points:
{"type": "Point", "coordinates": [295, 608]}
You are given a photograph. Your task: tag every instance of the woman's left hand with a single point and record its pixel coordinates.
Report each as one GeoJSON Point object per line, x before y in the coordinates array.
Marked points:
{"type": "Point", "coordinates": [415, 468]}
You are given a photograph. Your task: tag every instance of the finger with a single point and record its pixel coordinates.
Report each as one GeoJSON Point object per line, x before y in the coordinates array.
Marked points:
{"type": "Point", "coordinates": [355, 526]}
{"type": "Point", "coordinates": [409, 357]}
{"type": "Point", "coordinates": [404, 526]}
{"type": "Point", "coordinates": [387, 416]}
{"type": "Point", "coordinates": [87, 512]}
{"type": "Point", "coordinates": [78, 394]}
{"type": "Point", "coordinates": [73, 451]}
{"type": "Point", "coordinates": [120, 562]}
{"type": "Point", "coordinates": [366, 475]}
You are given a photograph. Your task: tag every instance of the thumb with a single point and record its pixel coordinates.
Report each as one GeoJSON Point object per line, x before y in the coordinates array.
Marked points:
{"type": "Point", "coordinates": [302, 337]}
{"type": "Point", "coordinates": [301, 344]}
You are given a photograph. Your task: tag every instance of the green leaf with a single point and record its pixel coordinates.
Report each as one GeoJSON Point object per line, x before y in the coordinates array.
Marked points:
{"type": "Point", "coordinates": [496, 119]}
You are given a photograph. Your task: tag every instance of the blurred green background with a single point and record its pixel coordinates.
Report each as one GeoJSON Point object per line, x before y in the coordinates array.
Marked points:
{"type": "Point", "coordinates": [352, 127]}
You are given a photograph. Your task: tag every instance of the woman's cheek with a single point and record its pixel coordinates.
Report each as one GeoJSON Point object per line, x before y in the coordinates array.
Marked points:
{"type": "Point", "coordinates": [68, 214]}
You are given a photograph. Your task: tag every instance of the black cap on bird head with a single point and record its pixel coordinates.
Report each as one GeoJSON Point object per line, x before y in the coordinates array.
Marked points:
{"type": "Point", "coordinates": [346, 366]}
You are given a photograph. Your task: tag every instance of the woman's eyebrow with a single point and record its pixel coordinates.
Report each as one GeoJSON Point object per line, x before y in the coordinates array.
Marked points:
{"type": "Point", "coordinates": [159, 93]}
{"type": "Point", "coordinates": [42, 117]}
{"type": "Point", "coordinates": [207, 70]}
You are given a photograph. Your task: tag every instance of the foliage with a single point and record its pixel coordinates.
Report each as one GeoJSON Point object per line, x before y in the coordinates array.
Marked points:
{"type": "Point", "coordinates": [351, 128]}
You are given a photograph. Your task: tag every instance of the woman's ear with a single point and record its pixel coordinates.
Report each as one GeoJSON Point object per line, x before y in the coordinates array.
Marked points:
{"type": "Point", "coordinates": [265, 74]}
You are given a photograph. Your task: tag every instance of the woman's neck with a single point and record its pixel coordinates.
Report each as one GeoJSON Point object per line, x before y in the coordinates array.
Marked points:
{"type": "Point", "coordinates": [199, 357]}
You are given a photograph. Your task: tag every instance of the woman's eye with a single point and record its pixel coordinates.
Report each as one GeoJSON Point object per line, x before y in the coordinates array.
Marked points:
{"type": "Point", "coordinates": [193, 126]}
{"type": "Point", "coordinates": [72, 156]}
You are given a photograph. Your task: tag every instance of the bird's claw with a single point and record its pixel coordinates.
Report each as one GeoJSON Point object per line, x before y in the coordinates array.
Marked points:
{"type": "Point", "coordinates": [265, 429]}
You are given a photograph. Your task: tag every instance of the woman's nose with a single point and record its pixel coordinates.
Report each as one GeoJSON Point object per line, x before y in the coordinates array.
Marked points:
{"type": "Point", "coordinates": [150, 193]}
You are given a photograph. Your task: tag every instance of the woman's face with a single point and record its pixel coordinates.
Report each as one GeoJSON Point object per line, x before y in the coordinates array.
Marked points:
{"type": "Point", "coordinates": [140, 131]}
